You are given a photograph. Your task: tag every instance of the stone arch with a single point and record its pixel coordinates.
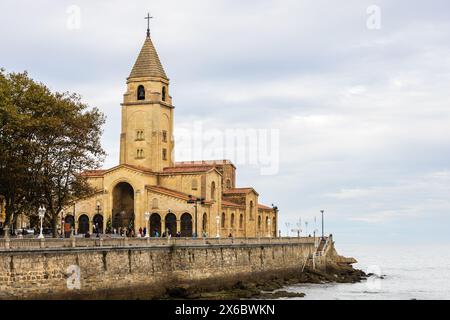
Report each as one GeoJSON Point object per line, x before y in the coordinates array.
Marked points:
{"type": "Point", "coordinates": [123, 205]}
{"type": "Point", "coordinates": [186, 225]}
{"type": "Point", "coordinates": [155, 225]}
{"type": "Point", "coordinates": [83, 224]}
{"type": "Point", "coordinates": [98, 223]}
{"type": "Point", "coordinates": [171, 224]}
{"type": "Point", "coordinates": [140, 92]}
{"type": "Point", "coordinates": [69, 219]}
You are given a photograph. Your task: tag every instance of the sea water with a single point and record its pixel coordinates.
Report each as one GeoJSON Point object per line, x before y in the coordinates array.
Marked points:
{"type": "Point", "coordinates": [404, 272]}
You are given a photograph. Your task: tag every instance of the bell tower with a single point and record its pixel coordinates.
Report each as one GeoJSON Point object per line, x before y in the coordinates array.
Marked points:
{"type": "Point", "coordinates": [146, 138]}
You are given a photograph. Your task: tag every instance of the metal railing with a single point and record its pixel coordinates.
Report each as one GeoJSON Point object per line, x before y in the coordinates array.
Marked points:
{"type": "Point", "coordinates": [106, 241]}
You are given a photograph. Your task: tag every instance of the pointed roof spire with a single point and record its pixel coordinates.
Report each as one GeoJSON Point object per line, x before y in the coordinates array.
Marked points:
{"type": "Point", "coordinates": [148, 63]}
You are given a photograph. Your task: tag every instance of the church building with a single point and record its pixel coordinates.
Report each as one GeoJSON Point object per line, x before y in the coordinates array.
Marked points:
{"type": "Point", "coordinates": [148, 189]}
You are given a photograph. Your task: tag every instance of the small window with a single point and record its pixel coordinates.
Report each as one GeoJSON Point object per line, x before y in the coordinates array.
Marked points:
{"type": "Point", "coordinates": [163, 94]}
{"type": "Point", "coordinates": [141, 93]}
{"type": "Point", "coordinates": [164, 154]}
{"type": "Point", "coordinates": [164, 136]}
{"type": "Point", "coordinates": [213, 190]}
{"type": "Point", "coordinates": [232, 220]}
{"type": "Point", "coordinates": [241, 221]}
{"type": "Point", "coordinates": [223, 219]}
{"type": "Point", "coordinates": [194, 184]}
{"type": "Point", "coordinates": [228, 184]}
{"type": "Point", "coordinates": [140, 153]}
{"type": "Point", "coordinates": [154, 203]}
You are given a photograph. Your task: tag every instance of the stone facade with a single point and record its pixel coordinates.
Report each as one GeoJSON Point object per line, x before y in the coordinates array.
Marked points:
{"type": "Point", "coordinates": [45, 273]}
{"type": "Point", "coordinates": [149, 180]}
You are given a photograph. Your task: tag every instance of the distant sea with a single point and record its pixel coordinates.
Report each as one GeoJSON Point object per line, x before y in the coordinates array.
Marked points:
{"type": "Point", "coordinates": [409, 272]}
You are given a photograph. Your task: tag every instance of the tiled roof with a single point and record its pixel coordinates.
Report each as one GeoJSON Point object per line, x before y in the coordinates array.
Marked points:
{"type": "Point", "coordinates": [238, 191]}
{"type": "Point", "coordinates": [148, 63]}
{"type": "Point", "coordinates": [231, 204]}
{"type": "Point", "coordinates": [203, 162]}
{"type": "Point", "coordinates": [187, 169]}
{"type": "Point", "coordinates": [97, 173]}
{"type": "Point", "coordinates": [169, 192]}
{"type": "Point", "coordinates": [172, 193]}
{"type": "Point", "coordinates": [263, 207]}
{"type": "Point", "coordinates": [93, 173]}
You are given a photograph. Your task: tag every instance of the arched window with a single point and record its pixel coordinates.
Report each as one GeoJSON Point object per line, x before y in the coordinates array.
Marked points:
{"type": "Point", "coordinates": [205, 222]}
{"type": "Point", "coordinates": [154, 203]}
{"type": "Point", "coordinates": [259, 223]}
{"type": "Point", "coordinates": [141, 93]}
{"type": "Point", "coordinates": [228, 185]}
{"type": "Point", "coordinates": [241, 221]}
{"type": "Point", "coordinates": [213, 190]}
{"type": "Point", "coordinates": [267, 223]}
{"type": "Point", "coordinates": [163, 93]}
{"type": "Point", "coordinates": [223, 219]}
{"type": "Point", "coordinates": [194, 184]}
{"type": "Point", "coordinates": [251, 210]}
{"type": "Point", "coordinates": [140, 153]}
{"type": "Point", "coordinates": [232, 221]}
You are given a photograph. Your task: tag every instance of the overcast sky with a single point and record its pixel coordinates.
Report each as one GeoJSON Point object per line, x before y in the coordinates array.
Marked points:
{"type": "Point", "coordinates": [363, 112]}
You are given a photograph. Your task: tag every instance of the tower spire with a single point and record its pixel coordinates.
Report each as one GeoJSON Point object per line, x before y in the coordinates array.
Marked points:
{"type": "Point", "coordinates": [148, 17]}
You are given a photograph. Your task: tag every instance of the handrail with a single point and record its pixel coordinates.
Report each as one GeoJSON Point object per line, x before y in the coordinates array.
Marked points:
{"type": "Point", "coordinates": [107, 241]}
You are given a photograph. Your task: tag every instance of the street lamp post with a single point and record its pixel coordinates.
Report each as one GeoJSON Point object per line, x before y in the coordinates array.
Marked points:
{"type": "Point", "coordinates": [41, 213]}
{"type": "Point", "coordinates": [147, 219]}
{"type": "Point", "coordinates": [322, 223]}
{"type": "Point", "coordinates": [195, 202]}
{"type": "Point", "coordinates": [218, 226]}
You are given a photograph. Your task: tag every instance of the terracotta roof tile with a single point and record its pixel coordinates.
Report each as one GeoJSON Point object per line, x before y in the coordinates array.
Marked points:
{"type": "Point", "coordinates": [231, 204]}
{"type": "Point", "coordinates": [238, 191]}
{"type": "Point", "coordinates": [264, 207]}
{"type": "Point", "coordinates": [148, 63]}
{"type": "Point", "coordinates": [169, 192]}
{"type": "Point", "coordinates": [188, 169]}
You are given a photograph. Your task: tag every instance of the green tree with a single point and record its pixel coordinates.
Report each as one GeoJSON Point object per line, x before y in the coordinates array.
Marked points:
{"type": "Point", "coordinates": [47, 141]}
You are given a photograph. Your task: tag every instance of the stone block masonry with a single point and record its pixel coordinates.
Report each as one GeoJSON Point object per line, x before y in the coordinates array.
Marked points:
{"type": "Point", "coordinates": [141, 272]}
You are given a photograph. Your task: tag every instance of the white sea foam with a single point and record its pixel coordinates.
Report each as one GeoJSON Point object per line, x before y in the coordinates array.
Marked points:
{"type": "Point", "coordinates": [409, 272]}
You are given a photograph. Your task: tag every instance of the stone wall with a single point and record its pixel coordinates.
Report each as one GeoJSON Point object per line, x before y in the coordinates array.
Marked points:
{"type": "Point", "coordinates": [45, 273]}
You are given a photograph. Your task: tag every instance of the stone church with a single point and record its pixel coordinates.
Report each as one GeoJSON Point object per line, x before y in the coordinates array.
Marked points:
{"type": "Point", "coordinates": [148, 189]}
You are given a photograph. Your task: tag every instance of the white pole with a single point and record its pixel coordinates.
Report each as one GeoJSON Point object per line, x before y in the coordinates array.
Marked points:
{"type": "Point", "coordinates": [218, 227]}
{"type": "Point", "coordinates": [41, 236]}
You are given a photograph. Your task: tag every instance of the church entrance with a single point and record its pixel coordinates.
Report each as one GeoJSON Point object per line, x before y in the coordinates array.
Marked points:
{"type": "Point", "coordinates": [123, 206]}
{"type": "Point", "coordinates": [171, 223]}
{"type": "Point", "coordinates": [98, 223]}
{"type": "Point", "coordinates": [155, 225]}
{"type": "Point", "coordinates": [186, 225]}
{"type": "Point", "coordinates": [83, 224]}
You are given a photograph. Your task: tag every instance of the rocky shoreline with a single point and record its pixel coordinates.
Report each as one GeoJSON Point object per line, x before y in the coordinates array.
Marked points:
{"type": "Point", "coordinates": [266, 287]}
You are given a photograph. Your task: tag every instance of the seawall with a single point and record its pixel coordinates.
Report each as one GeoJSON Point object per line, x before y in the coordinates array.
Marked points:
{"type": "Point", "coordinates": [143, 268]}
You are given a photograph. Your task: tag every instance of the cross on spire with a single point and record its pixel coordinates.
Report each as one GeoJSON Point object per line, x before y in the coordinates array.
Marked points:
{"type": "Point", "coordinates": [148, 17]}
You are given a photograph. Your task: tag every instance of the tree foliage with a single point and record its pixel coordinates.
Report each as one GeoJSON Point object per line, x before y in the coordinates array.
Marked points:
{"type": "Point", "coordinates": [46, 141]}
